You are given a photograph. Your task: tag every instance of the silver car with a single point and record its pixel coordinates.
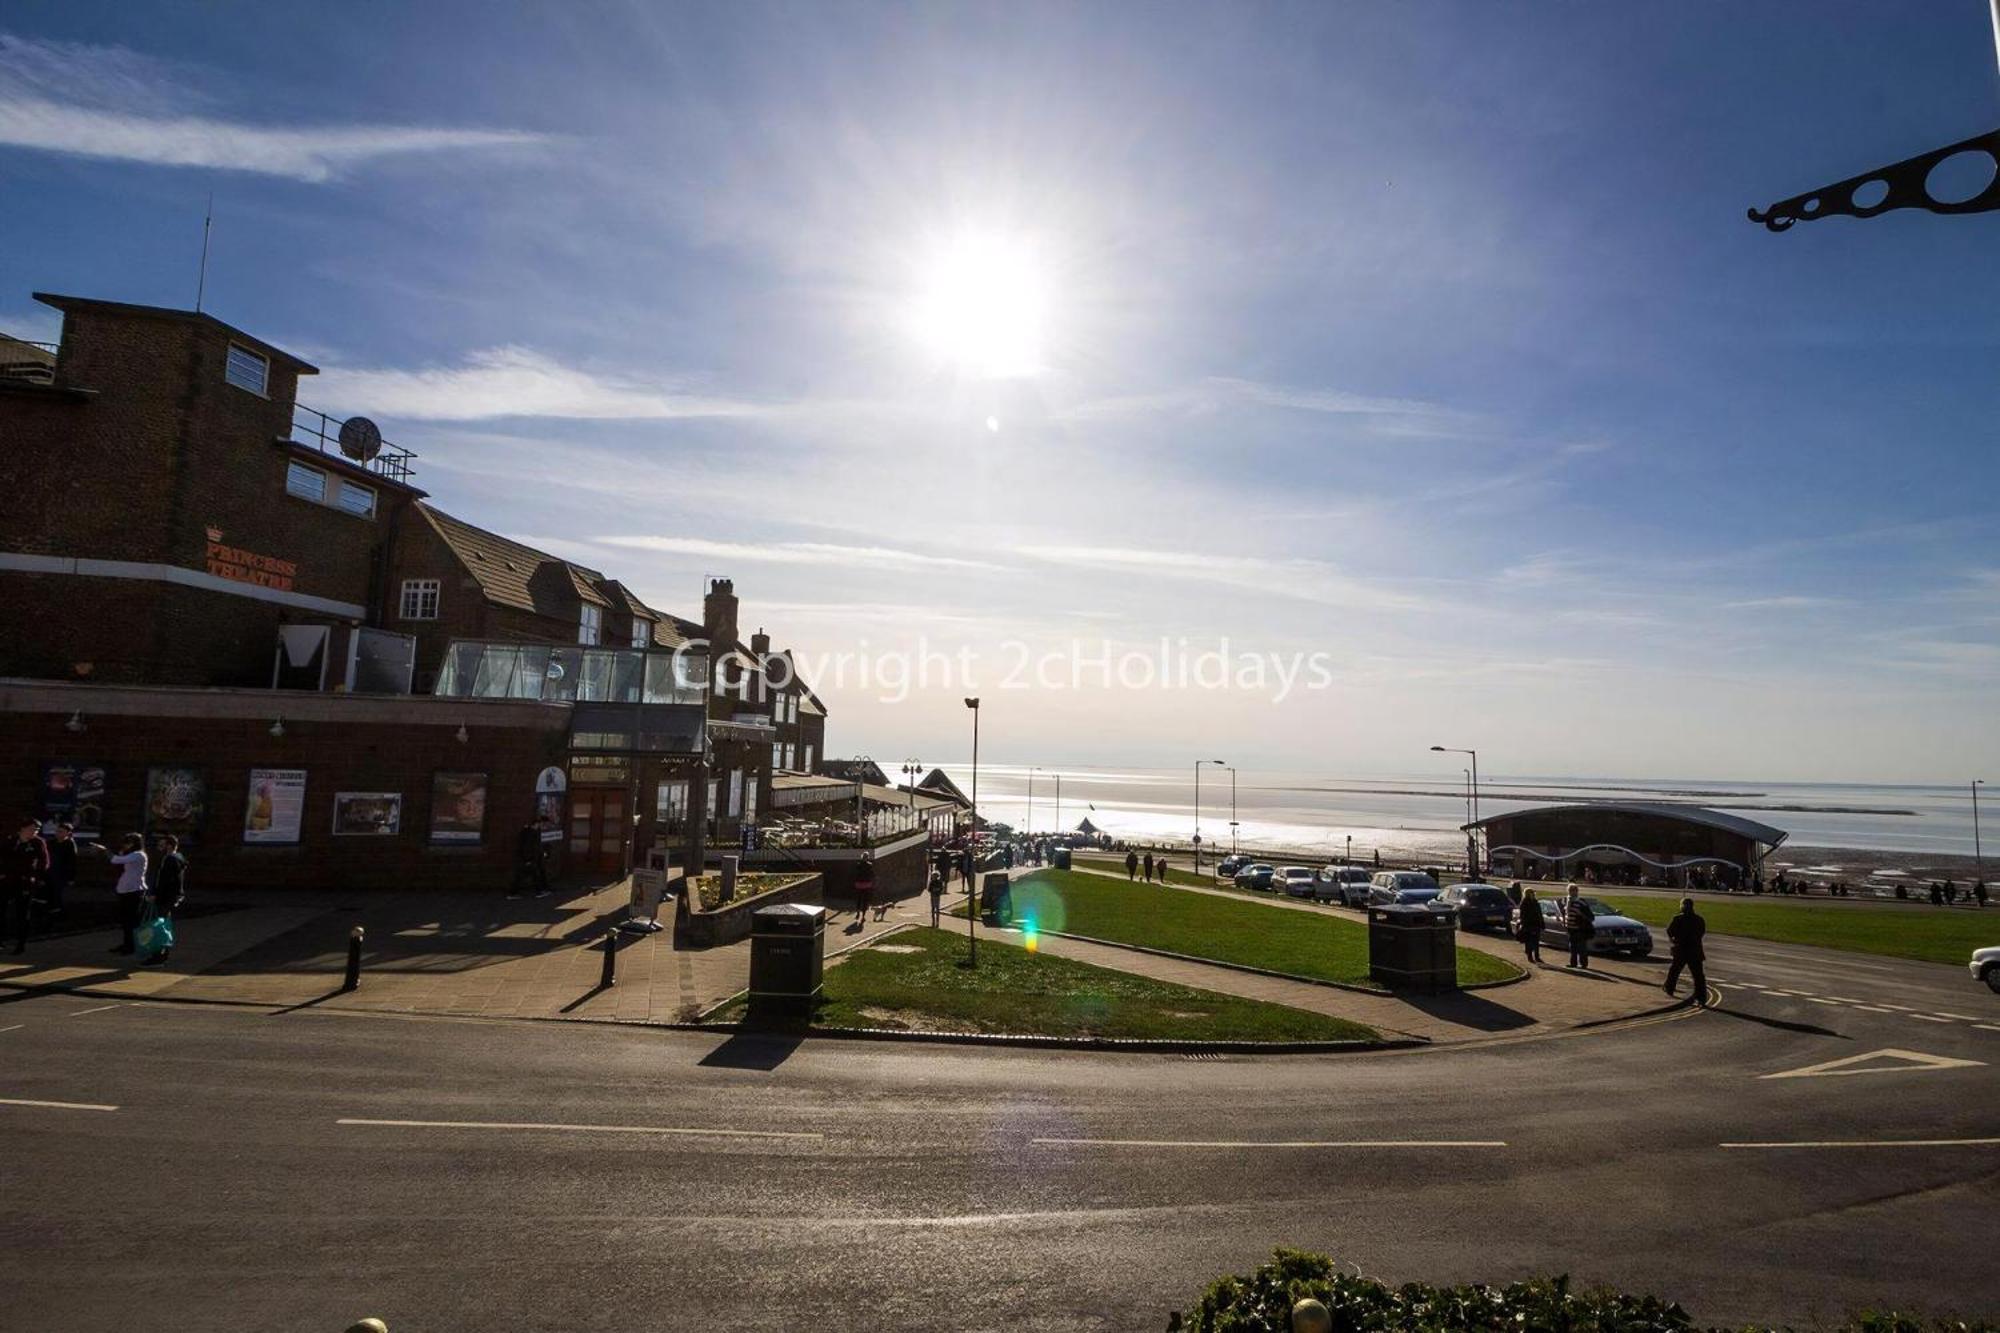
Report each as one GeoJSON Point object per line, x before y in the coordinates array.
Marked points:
{"type": "Point", "coordinates": [1346, 885]}
{"type": "Point", "coordinates": [1615, 933]}
{"type": "Point", "coordinates": [1986, 967]}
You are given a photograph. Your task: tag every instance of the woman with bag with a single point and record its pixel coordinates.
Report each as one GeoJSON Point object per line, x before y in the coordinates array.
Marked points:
{"type": "Point", "coordinates": [1528, 926]}
{"type": "Point", "coordinates": [169, 892]}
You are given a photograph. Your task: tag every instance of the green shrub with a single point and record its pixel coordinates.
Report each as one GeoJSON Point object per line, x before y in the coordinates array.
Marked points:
{"type": "Point", "coordinates": [1261, 1302]}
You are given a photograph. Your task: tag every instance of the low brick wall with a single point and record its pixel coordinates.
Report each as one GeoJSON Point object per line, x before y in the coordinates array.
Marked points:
{"type": "Point", "coordinates": [696, 929]}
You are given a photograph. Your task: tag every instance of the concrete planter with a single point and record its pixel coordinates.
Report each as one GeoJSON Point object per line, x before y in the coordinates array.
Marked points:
{"type": "Point", "coordinates": [697, 929]}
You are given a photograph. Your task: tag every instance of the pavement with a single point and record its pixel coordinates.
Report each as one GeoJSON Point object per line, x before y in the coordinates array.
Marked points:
{"type": "Point", "coordinates": [483, 955]}
{"type": "Point", "coordinates": [234, 1167]}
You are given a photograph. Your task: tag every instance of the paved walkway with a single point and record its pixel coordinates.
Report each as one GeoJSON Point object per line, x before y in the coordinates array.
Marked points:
{"type": "Point", "coordinates": [483, 955]}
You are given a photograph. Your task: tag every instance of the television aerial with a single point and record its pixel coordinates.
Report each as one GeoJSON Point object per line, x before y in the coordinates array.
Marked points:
{"type": "Point", "coordinates": [360, 439]}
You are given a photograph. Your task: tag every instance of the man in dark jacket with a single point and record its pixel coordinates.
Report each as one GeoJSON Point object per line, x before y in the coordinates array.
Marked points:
{"type": "Point", "coordinates": [1684, 934]}
{"type": "Point", "coordinates": [1149, 867]}
{"type": "Point", "coordinates": [23, 866]}
{"type": "Point", "coordinates": [1131, 865]}
{"type": "Point", "coordinates": [62, 867]}
{"type": "Point", "coordinates": [531, 867]}
{"type": "Point", "coordinates": [1581, 924]}
{"type": "Point", "coordinates": [169, 885]}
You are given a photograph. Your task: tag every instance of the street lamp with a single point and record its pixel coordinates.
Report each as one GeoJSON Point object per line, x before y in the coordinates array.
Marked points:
{"type": "Point", "coordinates": [1472, 839]}
{"type": "Point", "coordinates": [972, 843]}
{"type": "Point", "coordinates": [1197, 809]}
{"type": "Point", "coordinates": [1978, 857]}
{"type": "Point", "coordinates": [1232, 812]}
{"type": "Point", "coordinates": [1032, 770]}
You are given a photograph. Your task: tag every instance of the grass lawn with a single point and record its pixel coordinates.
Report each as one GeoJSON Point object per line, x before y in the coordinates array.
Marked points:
{"type": "Point", "coordinates": [1013, 990]}
{"type": "Point", "coordinates": [1200, 925]}
{"type": "Point", "coordinates": [1927, 934]}
{"type": "Point", "coordinates": [1178, 872]}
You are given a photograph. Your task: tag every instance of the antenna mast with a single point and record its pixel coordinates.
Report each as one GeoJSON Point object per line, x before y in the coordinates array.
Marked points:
{"type": "Point", "coordinates": [207, 221]}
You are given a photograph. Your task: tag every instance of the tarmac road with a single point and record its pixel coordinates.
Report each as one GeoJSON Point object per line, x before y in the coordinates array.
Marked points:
{"type": "Point", "coordinates": [945, 1187]}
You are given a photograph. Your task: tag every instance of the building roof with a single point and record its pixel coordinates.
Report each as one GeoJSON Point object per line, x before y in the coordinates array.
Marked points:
{"type": "Point", "coordinates": [1687, 814]}
{"type": "Point", "coordinates": [87, 304]}
{"type": "Point", "coordinates": [939, 782]}
{"type": "Point", "coordinates": [505, 569]}
{"type": "Point", "coordinates": [855, 770]}
{"type": "Point", "coordinates": [925, 803]}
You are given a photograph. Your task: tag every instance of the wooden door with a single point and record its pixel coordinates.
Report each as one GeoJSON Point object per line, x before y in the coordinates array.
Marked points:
{"type": "Point", "coordinates": [599, 823]}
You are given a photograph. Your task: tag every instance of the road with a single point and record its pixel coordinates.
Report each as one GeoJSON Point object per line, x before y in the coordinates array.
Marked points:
{"type": "Point", "coordinates": [837, 1185]}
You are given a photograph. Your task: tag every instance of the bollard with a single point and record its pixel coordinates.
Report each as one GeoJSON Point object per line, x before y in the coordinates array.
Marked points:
{"type": "Point", "coordinates": [1310, 1316]}
{"type": "Point", "coordinates": [354, 938]}
{"type": "Point", "coordinates": [610, 977]}
{"type": "Point", "coordinates": [367, 1326]}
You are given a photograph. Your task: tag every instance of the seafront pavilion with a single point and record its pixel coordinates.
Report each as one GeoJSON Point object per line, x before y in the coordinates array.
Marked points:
{"type": "Point", "coordinates": [1628, 841]}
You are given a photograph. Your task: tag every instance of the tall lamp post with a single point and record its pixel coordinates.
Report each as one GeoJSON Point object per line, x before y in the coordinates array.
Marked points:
{"type": "Point", "coordinates": [912, 767]}
{"type": "Point", "coordinates": [1471, 839]}
{"type": "Point", "coordinates": [972, 844]}
{"type": "Point", "coordinates": [1197, 809]}
{"type": "Point", "coordinates": [1059, 831]}
{"type": "Point", "coordinates": [1232, 812]}
{"type": "Point", "coordinates": [1032, 770]}
{"type": "Point", "coordinates": [1978, 856]}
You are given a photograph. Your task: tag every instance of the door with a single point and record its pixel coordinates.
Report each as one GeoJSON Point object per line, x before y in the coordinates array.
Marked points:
{"type": "Point", "coordinates": [599, 823]}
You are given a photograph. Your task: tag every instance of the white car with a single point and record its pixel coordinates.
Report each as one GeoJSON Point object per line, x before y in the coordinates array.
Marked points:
{"type": "Point", "coordinates": [1296, 881]}
{"type": "Point", "coordinates": [1986, 967]}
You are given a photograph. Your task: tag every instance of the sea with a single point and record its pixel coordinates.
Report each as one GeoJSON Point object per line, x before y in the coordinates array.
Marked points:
{"type": "Point", "coordinates": [1416, 816]}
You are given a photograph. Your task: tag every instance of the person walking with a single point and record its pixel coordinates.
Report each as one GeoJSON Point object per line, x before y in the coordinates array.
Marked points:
{"type": "Point", "coordinates": [1581, 924]}
{"type": "Point", "coordinates": [1528, 926]}
{"type": "Point", "coordinates": [130, 891]}
{"type": "Point", "coordinates": [169, 886]}
{"type": "Point", "coordinates": [1161, 866]}
{"type": "Point", "coordinates": [531, 866]}
{"type": "Point", "coordinates": [1684, 934]}
{"type": "Point", "coordinates": [1149, 867]}
{"type": "Point", "coordinates": [22, 873]}
{"type": "Point", "coordinates": [1979, 891]}
{"type": "Point", "coordinates": [1131, 865]}
{"type": "Point", "coordinates": [864, 887]}
{"type": "Point", "coordinates": [937, 897]}
{"type": "Point", "coordinates": [62, 867]}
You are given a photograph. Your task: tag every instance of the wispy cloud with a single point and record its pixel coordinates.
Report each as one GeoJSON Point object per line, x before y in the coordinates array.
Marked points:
{"type": "Point", "coordinates": [798, 553]}
{"type": "Point", "coordinates": [108, 102]}
{"type": "Point", "coordinates": [1783, 603]}
{"type": "Point", "coordinates": [1218, 393]}
{"type": "Point", "coordinates": [1299, 579]}
{"type": "Point", "coordinates": [513, 382]}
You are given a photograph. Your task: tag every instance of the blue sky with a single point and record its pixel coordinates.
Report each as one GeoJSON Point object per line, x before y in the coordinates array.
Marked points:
{"type": "Point", "coordinates": [1431, 337]}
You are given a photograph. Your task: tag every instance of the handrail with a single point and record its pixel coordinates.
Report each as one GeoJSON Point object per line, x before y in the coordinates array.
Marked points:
{"type": "Point", "coordinates": [391, 461]}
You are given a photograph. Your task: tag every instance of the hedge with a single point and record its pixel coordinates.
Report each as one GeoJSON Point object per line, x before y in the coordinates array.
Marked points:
{"type": "Point", "coordinates": [1261, 1302]}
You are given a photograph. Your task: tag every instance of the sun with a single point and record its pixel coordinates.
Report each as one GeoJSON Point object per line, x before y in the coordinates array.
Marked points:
{"type": "Point", "coordinates": [981, 306]}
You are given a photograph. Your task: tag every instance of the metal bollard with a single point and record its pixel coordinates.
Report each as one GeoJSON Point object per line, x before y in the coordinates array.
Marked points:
{"type": "Point", "coordinates": [610, 976]}
{"type": "Point", "coordinates": [367, 1326]}
{"type": "Point", "coordinates": [354, 938]}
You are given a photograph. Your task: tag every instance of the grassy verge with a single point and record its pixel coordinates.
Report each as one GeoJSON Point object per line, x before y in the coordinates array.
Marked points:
{"type": "Point", "coordinates": [1175, 874]}
{"type": "Point", "coordinates": [1012, 990]}
{"type": "Point", "coordinates": [1937, 935]}
{"type": "Point", "coordinates": [1200, 925]}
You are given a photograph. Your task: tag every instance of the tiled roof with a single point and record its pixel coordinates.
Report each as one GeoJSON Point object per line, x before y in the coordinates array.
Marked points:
{"type": "Point", "coordinates": [506, 569]}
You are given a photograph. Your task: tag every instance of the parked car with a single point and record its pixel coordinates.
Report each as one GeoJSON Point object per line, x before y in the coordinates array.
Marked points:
{"type": "Point", "coordinates": [1986, 967]}
{"type": "Point", "coordinates": [1346, 885]}
{"type": "Point", "coordinates": [1296, 881]}
{"type": "Point", "coordinates": [1381, 897]}
{"type": "Point", "coordinates": [1255, 876]}
{"type": "Point", "coordinates": [1227, 867]}
{"type": "Point", "coordinates": [1480, 906]}
{"type": "Point", "coordinates": [1388, 886]}
{"type": "Point", "coordinates": [1615, 933]}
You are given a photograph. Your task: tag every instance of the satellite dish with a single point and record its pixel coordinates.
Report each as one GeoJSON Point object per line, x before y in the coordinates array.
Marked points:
{"type": "Point", "coordinates": [360, 439]}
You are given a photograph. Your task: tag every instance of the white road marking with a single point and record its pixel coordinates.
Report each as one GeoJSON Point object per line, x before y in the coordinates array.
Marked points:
{"type": "Point", "coordinates": [1911, 1062]}
{"type": "Point", "coordinates": [587, 1129]}
{"type": "Point", "coordinates": [98, 1010]}
{"type": "Point", "coordinates": [1928, 1018]}
{"type": "Point", "coordinates": [1874, 1143]}
{"type": "Point", "coordinates": [55, 1106]}
{"type": "Point", "coordinates": [1899, 1008]}
{"type": "Point", "coordinates": [1814, 999]}
{"type": "Point", "coordinates": [1291, 1143]}
{"type": "Point", "coordinates": [1963, 1018]}
{"type": "Point", "coordinates": [1843, 999]}
{"type": "Point", "coordinates": [15, 1028]}
{"type": "Point", "coordinates": [1784, 992]}
{"type": "Point", "coordinates": [1874, 1008]}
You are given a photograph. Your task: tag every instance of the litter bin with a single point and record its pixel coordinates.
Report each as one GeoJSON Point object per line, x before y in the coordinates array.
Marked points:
{"type": "Point", "coordinates": [1062, 858]}
{"type": "Point", "coordinates": [787, 962]}
{"type": "Point", "coordinates": [996, 899]}
{"type": "Point", "coordinates": [1413, 948]}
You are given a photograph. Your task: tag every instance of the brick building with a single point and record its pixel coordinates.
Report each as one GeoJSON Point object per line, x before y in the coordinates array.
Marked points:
{"type": "Point", "coordinates": [208, 587]}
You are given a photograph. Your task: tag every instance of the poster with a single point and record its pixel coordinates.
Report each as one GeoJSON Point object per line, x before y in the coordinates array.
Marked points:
{"type": "Point", "coordinates": [376, 814]}
{"type": "Point", "coordinates": [74, 792]}
{"type": "Point", "coordinates": [549, 789]}
{"type": "Point", "coordinates": [276, 806]}
{"type": "Point", "coordinates": [458, 807]}
{"type": "Point", "coordinates": [176, 801]}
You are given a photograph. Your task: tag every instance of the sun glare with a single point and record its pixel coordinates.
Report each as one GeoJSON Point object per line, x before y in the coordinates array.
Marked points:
{"type": "Point", "coordinates": [980, 307]}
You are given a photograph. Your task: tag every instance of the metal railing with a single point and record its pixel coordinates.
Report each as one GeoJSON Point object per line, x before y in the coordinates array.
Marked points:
{"type": "Point", "coordinates": [311, 426]}
{"type": "Point", "coordinates": [36, 364]}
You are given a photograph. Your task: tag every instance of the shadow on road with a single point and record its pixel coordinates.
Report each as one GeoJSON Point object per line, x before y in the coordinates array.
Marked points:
{"type": "Point", "coordinates": [1810, 1029]}
{"type": "Point", "coordinates": [1470, 1009]}
{"type": "Point", "coordinates": [763, 1051]}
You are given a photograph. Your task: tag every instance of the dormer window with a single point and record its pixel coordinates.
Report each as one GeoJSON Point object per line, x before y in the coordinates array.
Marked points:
{"type": "Point", "coordinates": [590, 628]}
{"type": "Point", "coordinates": [248, 370]}
{"type": "Point", "coordinates": [642, 633]}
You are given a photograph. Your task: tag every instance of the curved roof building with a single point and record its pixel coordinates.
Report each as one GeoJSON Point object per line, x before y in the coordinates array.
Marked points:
{"type": "Point", "coordinates": [1662, 837]}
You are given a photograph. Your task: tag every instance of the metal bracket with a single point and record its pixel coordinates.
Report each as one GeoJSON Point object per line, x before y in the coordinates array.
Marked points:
{"type": "Point", "coordinates": [1904, 185]}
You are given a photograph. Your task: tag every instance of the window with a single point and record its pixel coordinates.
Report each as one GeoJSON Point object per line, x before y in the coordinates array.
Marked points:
{"type": "Point", "coordinates": [778, 708]}
{"type": "Point", "coordinates": [642, 633]}
{"type": "Point", "coordinates": [591, 625]}
{"type": "Point", "coordinates": [308, 483]}
{"type": "Point", "coordinates": [790, 754]}
{"type": "Point", "coordinates": [777, 755]}
{"type": "Point", "coordinates": [420, 599]}
{"type": "Point", "coordinates": [248, 370]}
{"type": "Point", "coordinates": [357, 499]}
{"type": "Point", "coordinates": [809, 759]}
{"type": "Point", "coordinates": [672, 809]}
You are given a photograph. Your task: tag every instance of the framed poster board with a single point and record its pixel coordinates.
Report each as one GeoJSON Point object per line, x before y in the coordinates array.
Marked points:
{"type": "Point", "coordinates": [367, 814]}
{"type": "Point", "coordinates": [176, 801]}
{"type": "Point", "coordinates": [74, 792]}
{"type": "Point", "coordinates": [549, 788]}
{"type": "Point", "coordinates": [458, 807]}
{"type": "Point", "coordinates": [276, 806]}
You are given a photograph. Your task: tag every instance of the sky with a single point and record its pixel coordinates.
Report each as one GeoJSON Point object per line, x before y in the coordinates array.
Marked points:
{"type": "Point", "coordinates": [1421, 349]}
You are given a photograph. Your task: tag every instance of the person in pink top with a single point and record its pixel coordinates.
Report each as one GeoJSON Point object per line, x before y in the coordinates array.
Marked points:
{"type": "Point", "coordinates": [131, 888]}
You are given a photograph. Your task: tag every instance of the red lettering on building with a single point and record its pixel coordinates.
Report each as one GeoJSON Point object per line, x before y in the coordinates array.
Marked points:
{"type": "Point", "coordinates": [241, 566]}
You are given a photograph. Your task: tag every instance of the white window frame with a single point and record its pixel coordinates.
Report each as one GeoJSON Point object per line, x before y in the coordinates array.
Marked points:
{"type": "Point", "coordinates": [590, 625]}
{"type": "Point", "coordinates": [294, 470]}
{"type": "Point", "coordinates": [776, 754]}
{"type": "Point", "coordinates": [642, 633]}
{"type": "Point", "coordinates": [420, 599]}
{"type": "Point", "coordinates": [347, 488]}
{"type": "Point", "coordinates": [790, 754]}
{"type": "Point", "coordinates": [231, 365]}
{"type": "Point", "coordinates": [809, 759]}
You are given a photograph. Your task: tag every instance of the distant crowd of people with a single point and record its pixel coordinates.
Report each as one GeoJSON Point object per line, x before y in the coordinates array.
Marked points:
{"type": "Point", "coordinates": [38, 873]}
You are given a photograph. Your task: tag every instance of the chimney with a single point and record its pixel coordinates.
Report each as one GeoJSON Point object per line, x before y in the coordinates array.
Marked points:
{"type": "Point", "coordinates": [760, 645]}
{"type": "Point", "coordinates": [718, 613]}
